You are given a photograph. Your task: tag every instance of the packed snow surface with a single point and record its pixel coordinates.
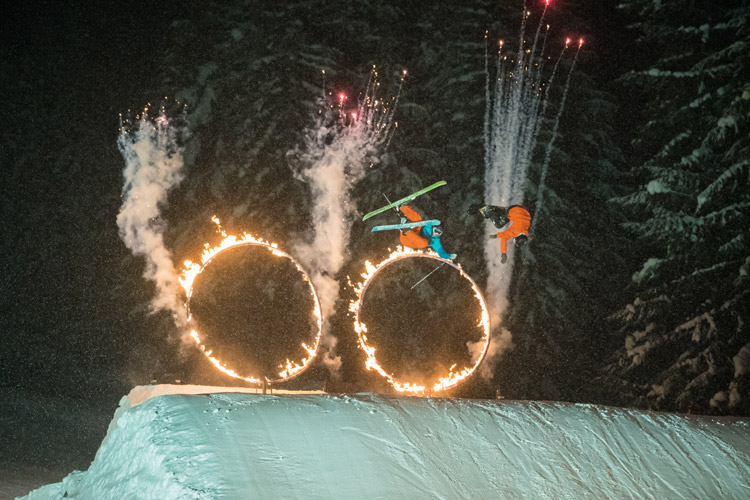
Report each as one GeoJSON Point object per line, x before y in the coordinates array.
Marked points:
{"type": "Point", "coordinates": [185, 442]}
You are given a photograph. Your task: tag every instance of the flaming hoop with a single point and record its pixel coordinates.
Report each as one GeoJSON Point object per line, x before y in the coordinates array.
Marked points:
{"type": "Point", "coordinates": [451, 379]}
{"type": "Point", "coordinates": [190, 272]}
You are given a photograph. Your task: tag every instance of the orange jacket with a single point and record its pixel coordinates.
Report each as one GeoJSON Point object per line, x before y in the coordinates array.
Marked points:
{"type": "Point", "coordinates": [520, 220]}
{"type": "Point", "coordinates": [413, 238]}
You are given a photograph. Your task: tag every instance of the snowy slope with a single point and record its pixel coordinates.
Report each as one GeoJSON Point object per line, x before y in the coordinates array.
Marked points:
{"type": "Point", "coordinates": [240, 446]}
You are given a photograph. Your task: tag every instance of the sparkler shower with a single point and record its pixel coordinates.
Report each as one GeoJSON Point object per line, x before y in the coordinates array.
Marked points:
{"type": "Point", "coordinates": [452, 378]}
{"type": "Point", "coordinates": [153, 167]}
{"type": "Point", "coordinates": [515, 109]}
{"type": "Point", "coordinates": [191, 271]}
{"type": "Point", "coordinates": [338, 150]}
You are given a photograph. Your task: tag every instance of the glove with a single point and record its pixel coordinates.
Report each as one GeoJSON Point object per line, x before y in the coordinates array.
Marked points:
{"type": "Point", "coordinates": [504, 258]}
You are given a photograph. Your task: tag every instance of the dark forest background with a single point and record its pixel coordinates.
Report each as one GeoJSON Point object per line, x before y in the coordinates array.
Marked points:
{"type": "Point", "coordinates": [634, 290]}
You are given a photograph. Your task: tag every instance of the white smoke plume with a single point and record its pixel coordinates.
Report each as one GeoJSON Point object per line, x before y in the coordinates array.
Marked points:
{"type": "Point", "coordinates": [337, 153]}
{"type": "Point", "coordinates": [153, 167]}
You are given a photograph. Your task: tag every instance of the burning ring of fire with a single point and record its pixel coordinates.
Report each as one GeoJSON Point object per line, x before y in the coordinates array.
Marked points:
{"type": "Point", "coordinates": [452, 379]}
{"type": "Point", "coordinates": [191, 271]}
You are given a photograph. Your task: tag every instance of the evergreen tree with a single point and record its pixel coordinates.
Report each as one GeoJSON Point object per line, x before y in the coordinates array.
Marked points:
{"type": "Point", "coordinates": [686, 330]}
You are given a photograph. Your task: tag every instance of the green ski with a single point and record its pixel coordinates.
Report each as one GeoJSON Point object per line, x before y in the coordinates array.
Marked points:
{"type": "Point", "coordinates": [405, 200]}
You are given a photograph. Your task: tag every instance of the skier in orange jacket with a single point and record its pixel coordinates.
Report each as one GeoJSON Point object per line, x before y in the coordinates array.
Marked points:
{"type": "Point", "coordinates": [517, 219]}
{"type": "Point", "coordinates": [422, 236]}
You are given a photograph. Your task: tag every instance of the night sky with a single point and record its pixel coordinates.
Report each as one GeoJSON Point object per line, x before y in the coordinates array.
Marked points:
{"type": "Point", "coordinates": [77, 331]}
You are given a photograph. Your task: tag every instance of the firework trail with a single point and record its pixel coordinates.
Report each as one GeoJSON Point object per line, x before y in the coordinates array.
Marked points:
{"type": "Point", "coordinates": [514, 109]}
{"type": "Point", "coordinates": [153, 167]}
{"type": "Point", "coordinates": [510, 135]}
{"type": "Point", "coordinates": [337, 152]}
{"type": "Point", "coordinates": [548, 149]}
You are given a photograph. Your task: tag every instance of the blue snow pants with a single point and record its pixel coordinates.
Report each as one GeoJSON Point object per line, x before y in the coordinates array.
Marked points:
{"type": "Point", "coordinates": [434, 242]}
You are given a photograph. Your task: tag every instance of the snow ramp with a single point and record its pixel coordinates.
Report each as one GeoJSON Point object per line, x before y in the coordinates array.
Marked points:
{"type": "Point", "coordinates": [163, 444]}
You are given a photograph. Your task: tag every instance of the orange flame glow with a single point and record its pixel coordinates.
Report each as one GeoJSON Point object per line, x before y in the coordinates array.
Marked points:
{"type": "Point", "coordinates": [452, 378]}
{"type": "Point", "coordinates": [191, 271]}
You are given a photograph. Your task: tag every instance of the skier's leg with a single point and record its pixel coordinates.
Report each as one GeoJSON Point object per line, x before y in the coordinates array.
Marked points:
{"type": "Point", "coordinates": [503, 237]}
{"type": "Point", "coordinates": [438, 247]}
{"type": "Point", "coordinates": [434, 239]}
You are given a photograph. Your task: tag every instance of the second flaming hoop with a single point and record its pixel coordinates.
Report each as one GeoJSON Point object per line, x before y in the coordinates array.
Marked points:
{"type": "Point", "coordinates": [450, 379]}
{"type": "Point", "coordinates": [192, 270]}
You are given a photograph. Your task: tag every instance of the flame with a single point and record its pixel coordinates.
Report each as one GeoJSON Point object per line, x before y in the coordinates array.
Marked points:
{"type": "Point", "coordinates": [452, 378]}
{"type": "Point", "coordinates": [218, 364]}
{"type": "Point", "coordinates": [567, 42]}
{"type": "Point", "coordinates": [580, 42]}
{"type": "Point", "coordinates": [191, 270]}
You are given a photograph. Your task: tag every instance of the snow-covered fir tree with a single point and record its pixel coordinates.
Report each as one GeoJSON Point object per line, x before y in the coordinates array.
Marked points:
{"type": "Point", "coordinates": [686, 338]}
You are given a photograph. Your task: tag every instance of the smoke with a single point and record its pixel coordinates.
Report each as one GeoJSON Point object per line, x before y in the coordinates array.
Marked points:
{"type": "Point", "coordinates": [338, 150]}
{"type": "Point", "coordinates": [153, 167]}
{"type": "Point", "coordinates": [499, 343]}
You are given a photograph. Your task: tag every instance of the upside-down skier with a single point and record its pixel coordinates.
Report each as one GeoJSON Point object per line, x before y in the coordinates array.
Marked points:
{"type": "Point", "coordinates": [422, 236]}
{"type": "Point", "coordinates": [516, 218]}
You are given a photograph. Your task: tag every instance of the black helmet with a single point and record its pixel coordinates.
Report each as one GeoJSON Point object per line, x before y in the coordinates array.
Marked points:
{"type": "Point", "coordinates": [521, 240]}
